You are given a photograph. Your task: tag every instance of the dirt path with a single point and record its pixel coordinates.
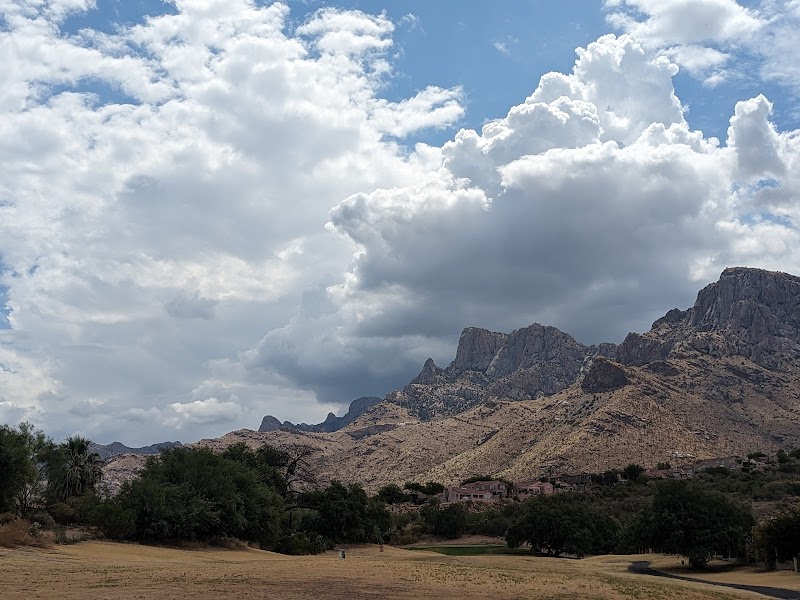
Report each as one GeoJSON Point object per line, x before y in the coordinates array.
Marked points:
{"type": "Point", "coordinates": [642, 567]}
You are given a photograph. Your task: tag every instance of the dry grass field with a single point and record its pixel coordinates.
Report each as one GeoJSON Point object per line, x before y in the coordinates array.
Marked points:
{"type": "Point", "coordinates": [99, 570]}
{"type": "Point", "coordinates": [719, 572]}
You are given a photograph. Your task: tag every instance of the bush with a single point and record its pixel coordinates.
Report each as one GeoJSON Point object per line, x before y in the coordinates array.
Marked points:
{"type": "Point", "coordinates": [302, 543]}
{"type": "Point", "coordinates": [63, 538]}
{"type": "Point", "coordinates": [7, 517]}
{"type": "Point", "coordinates": [63, 513]}
{"type": "Point", "coordinates": [43, 519]}
{"type": "Point", "coordinates": [113, 521]}
{"type": "Point", "coordinates": [409, 534]}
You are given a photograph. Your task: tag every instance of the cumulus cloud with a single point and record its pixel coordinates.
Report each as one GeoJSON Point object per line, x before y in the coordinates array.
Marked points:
{"type": "Point", "coordinates": [685, 21]}
{"type": "Point", "coordinates": [592, 206]}
{"type": "Point", "coordinates": [238, 230]}
{"type": "Point", "coordinates": [717, 40]}
{"type": "Point", "coordinates": [144, 238]}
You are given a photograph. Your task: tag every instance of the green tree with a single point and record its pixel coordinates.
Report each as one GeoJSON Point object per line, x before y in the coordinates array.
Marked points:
{"type": "Point", "coordinates": [779, 537]}
{"type": "Point", "coordinates": [698, 523]}
{"type": "Point", "coordinates": [429, 489]}
{"type": "Point", "coordinates": [563, 523]}
{"type": "Point", "coordinates": [76, 471]}
{"type": "Point", "coordinates": [346, 514]}
{"type": "Point", "coordinates": [195, 494]}
{"type": "Point", "coordinates": [26, 457]}
{"type": "Point", "coordinates": [392, 494]}
{"type": "Point", "coordinates": [16, 466]}
{"type": "Point", "coordinates": [632, 471]}
{"type": "Point", "coordinates": [446, 522]}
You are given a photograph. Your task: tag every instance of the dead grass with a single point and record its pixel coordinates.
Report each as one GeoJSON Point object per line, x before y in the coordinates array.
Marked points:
{"type": "Point", "coordinates": [727, 573]}
{"type": "Point", "coordinates": [18, 533]}
{"type": "Point", "coordinates": [125, 571]}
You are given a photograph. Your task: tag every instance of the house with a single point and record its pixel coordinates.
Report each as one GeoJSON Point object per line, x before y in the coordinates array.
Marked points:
{"type": "Point", "coordinates": [478, 490]}
{"type": "Point", "coordinates": [572, 479]}
{"type": "Point", "coordinates": [684, 472]}
{"type": "Point", "coordinates": [526, 489]}
{"type": "Point", "coordinates": [732, 463]}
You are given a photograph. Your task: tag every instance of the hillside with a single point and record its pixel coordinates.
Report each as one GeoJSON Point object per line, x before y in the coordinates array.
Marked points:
{"type": "Point", "coordinates": [719, 378]}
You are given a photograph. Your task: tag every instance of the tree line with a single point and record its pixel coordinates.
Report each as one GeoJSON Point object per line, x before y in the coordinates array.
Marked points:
{"type": "Point", "coordinates": [268, 497]}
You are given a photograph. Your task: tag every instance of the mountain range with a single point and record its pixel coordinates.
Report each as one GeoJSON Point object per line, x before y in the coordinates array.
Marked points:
{"type": "Point", "coordinates": [719, 378]}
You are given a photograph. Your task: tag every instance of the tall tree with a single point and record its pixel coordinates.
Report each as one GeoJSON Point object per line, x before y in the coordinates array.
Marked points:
{"type": "Point", "coordinates": [80, 471]}
{"type": "Point", "coordinates": [16, 466]}
{"type": "Point", "coordinates": [778, 538]}
{"type": "Point", "coordinates": [698, 523]}
{"type": "Point", "coordinates": [25, 458]}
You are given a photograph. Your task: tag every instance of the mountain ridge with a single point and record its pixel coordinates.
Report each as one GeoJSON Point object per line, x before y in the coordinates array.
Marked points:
{"type": "Point", "coordinates": [719, 378]}
{"type": "Point", "coordinates": [330, 424]}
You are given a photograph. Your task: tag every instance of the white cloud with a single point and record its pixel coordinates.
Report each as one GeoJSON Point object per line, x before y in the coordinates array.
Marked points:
{"type": "Point", "coordinates": [592, 206]}
{"type": "Point", "coordinates": [717, 40]}
{"type": "Point", "coordinates": [168, 260]}
{"type": "Point", "coordinates": [685, 21]}
{"type": "Point", "coordinates": [143, 241]}
{"type": "Point", "coordinates": [205, 412]}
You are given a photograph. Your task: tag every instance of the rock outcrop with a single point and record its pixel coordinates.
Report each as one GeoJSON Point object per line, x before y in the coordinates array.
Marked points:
{"type": "Point", "coordinates": [430, 373]}
{"type": "Point", "coordinates": [528, 363]}
{"type": "Point", "coordinates": [750, 313]}
{"type": "Point", "coordinates": [270, 423]}
{"type": "Point", "coordinates": [477, 348]}
{"type": "Point", "coordinates": [603, 376]}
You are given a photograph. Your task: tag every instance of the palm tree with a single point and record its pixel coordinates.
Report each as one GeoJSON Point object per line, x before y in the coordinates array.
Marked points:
{"type": "Point", "coordinates": [81, 471]}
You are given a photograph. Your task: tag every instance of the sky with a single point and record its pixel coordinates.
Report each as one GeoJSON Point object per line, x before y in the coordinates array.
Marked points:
{"type": "Point", "coordinates": [215, 210]}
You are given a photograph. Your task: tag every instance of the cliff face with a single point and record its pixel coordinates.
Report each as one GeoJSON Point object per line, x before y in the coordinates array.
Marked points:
{"type": "Point", "coordinates": [750, 313]}
{"type": "Point", "coordinates": [476, 349]}
{"type": "Point", "coordinates": [528, 363]}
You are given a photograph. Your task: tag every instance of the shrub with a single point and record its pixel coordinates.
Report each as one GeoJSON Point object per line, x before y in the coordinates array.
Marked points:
{"type": "Point", "coordinates": [302, 543]}
{"type": "Point", "coordinates": [43, 519]}
{"type": "Point", "coordinates": [113, 521]}
{"type": "Point", "coordinates": [7, 517]}
{"type": "Point", "coordinates": [63, 513]}
{"type": "Point", "coordinates": [407, 535]}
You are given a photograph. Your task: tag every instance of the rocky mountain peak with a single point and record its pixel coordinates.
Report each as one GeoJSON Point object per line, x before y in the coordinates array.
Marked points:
{"type": "Point", "coordinates": [533, 346]}
{"type": "Point", "coordinates": [476, 349]}
{"type": "Point", "coordinates": [742, 296]}
{"type": "Point", "coordinates": [749, 312]}
{"type": "Point", "coordinates": [429, 374]}
{"type": "Point", "coordinates": [269, 423]}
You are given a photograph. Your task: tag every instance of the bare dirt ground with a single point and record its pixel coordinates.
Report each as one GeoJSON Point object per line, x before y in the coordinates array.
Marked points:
{"type": "Point", "coordinates": [99, 570]}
